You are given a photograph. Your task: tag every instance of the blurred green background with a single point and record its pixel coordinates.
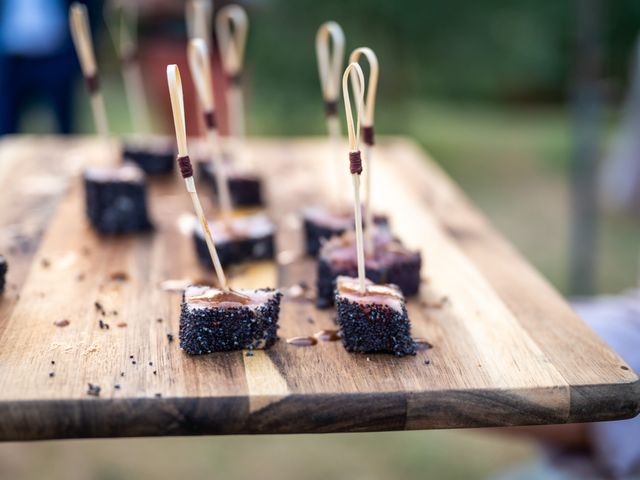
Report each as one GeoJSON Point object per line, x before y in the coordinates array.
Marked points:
{"type": "Point", "coordinates": [485, 88]}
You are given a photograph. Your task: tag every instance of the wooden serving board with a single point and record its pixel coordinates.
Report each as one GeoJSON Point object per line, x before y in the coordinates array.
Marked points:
{"type": "Point", "coordinates": [507, 349]}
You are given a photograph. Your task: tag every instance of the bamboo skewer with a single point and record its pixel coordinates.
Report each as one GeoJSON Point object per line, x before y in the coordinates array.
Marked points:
{"type": "Point", "coordinates": [330, 68]}
{"type": "Point", "coordinates": [81, 34]}
{"type": "Point", "coordinates": [177, 106]}
{"type": "Point", "coordinates": [368, 135]}
{"type": "Point", "coordinates": [198, 55]}
{"type": "Point", "coordinates": [198, 14]}
{"type": "Point", "coordinates": [125, 40]}
{"type": "Point", "coordinates": [232, 27]}
{"type": "Point", "coordinates": [355, 162]}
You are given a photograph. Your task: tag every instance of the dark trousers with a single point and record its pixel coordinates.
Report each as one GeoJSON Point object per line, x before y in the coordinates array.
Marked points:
{"type": "Point", "coordinates": [27, 79]}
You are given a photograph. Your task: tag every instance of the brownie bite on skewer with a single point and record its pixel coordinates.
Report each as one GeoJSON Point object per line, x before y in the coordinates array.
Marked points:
{"type": "Point", "coordinates": [240, 240]}
{"type": "Point", "coordinates": [237, 239]}
{"type": "Point", "coordinates": [217, 319]}
{"type": "Point", "coordinates": [116, 199]}
{"type": "Point", "coordinates": [212, 320]}
{"type": "Point", "coordinates": [389, 261]}
{"type": "Point", "coordinates": [115, 196]}
{"type": "Point", "coordinates": [154, 155]}
{"type": "Point", "coordinates": [375, 320]}
{"type": "Point", "coordinates": [245, 186]}
{"type": "Point", "coordinates": [372, 317]}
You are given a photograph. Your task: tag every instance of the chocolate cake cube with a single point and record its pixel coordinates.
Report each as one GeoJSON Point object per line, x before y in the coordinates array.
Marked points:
{"type": "Point", "coordinates": [391, 262]}
{"type": "Point", "coordinates": [154, 155]}
{"type": "Point", "coordinates": [321, 224]}
{"type": "Point", "coordinates": [212, 320]}
{"type": "Point", "coordinates": [3, 272]}
{"type": "Point", "coordinates": [244, 239]}
{"type": "Point", "coordinates": [116, 199]}
{"type": "Point", "coordinates": [245, 187]}
{"type": "Point", "coordinates": [375, 320]}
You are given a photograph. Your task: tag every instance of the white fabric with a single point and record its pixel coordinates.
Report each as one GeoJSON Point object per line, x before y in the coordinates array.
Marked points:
{"type": "Point", "coordinates": [617, 321]}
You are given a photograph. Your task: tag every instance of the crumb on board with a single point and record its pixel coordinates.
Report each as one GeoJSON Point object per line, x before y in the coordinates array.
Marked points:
{"type": "Point", "coordinates": [119, 276]}
{"type": "Point", "coordinates": [170, 337]}
{"type": "Point", "coordinates": [93, 390]}
{"type": "Point", "coordinates": [91, 349]}
{"type": "Point", "coordinates": [61, 323]}
{"type": "Point", "coordinates": [99, 308]}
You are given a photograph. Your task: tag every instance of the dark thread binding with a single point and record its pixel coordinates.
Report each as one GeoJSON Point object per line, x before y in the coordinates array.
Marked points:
{"type": "Point", "coordinates": [367, 135]}
{"type": "Point", "coordinates": [355, 163]}
{"type": "Point", "coordinates": [210, 119]}
{"type": "Point", "coordinates": [184, 163]}
{"type": "Point", "coordinates": [234, 78]}
{"type": "Point", "coordinates": [330, 108]}
{"type": "Point", "coordinates": [130, 57]}
{"type": "Point", "coordinates": [93, 85]}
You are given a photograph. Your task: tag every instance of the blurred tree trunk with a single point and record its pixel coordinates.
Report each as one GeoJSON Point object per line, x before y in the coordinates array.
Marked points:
{"type": "Point", "coordinates": [587, 101]}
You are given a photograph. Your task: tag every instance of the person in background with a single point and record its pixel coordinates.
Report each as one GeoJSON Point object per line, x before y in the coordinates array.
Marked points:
{"type": "Point", "coordinates": [594, 450]}
{"type": "Point", "coordinates": [620, 174]}
{"type": "Point", "coordinates": [37, 61]}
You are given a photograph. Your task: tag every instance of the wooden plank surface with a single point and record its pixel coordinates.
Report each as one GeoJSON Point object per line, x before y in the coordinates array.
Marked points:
{"type": "Point", "coordinates": [507, 348]}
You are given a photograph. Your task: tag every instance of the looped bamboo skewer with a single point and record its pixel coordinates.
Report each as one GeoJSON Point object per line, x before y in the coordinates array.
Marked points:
{"type": "Point", "coordinates": [368, 134]}
{"type": "Point", "coordinates": [177, 106]}
{"type": "Point", "coordinates": [232, 27]}
{"type": "Point", "coordinates": [198, 55]}
{"type": "Point", "coordinates": [125, 40]}
{"type": "Point", "coordinates": [329, 69]}
{"type": "Point", "coordinates": [353, 69]}
{"type": "Point", "coordinates": [81, 35]}
{"type": "Point", "coordinates": [330, 63]}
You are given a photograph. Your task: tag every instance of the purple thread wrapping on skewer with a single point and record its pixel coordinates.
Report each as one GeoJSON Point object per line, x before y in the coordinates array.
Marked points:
{"type": "Point", "coordinates": [368, 136]}
{"type": "Point", "coordinates": [210, 119]}
{"type": "Point", "coordinates": [130, 57]}
{"type": "Point", "coordinates": [93, 84]}
{"type": "Point", "coordinates": [234, 78]}
{"type": "Point", "coordinates": [355, 163]}
{"type": "Point", "coordinates": [186, 169]}
{"type": "Point", "coordinates": [330, 108]}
